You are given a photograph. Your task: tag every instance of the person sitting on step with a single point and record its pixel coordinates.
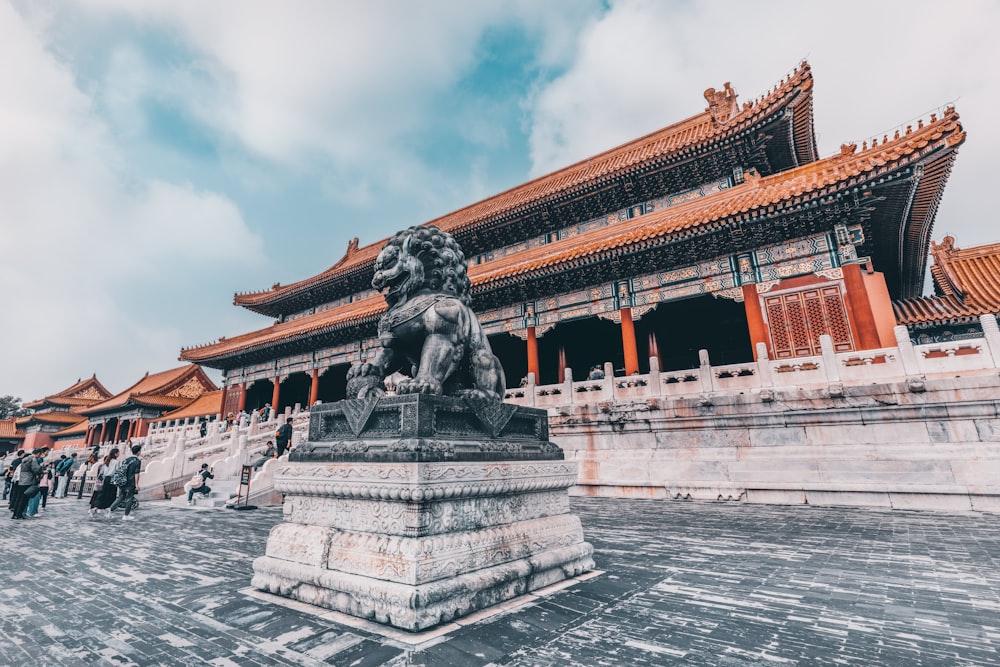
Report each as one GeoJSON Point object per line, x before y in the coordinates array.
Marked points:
{"type": "Point", "coordinates": [198, 484]}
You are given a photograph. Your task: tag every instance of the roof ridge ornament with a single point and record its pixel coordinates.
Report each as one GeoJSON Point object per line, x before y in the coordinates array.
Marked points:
{"type": "Point", "coordinates": [722, 104]}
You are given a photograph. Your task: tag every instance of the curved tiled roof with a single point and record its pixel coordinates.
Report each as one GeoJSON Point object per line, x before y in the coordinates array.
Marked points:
{"type": "Point", "coordinates": [753, 196]}
{"type": "Point", "coordinates": [53, 417]}
{"type": "Point", "coordinates": [967, 282]}
{"type": "Point", "coordinates": [9, 431]}
{"type": "Point", "coordinates": [359, 312]}
{"type": "Point", "coordinates": [159, 390]}
{"type": "Point", "coordinates": [75, 429]}
{"type": "Point", "coordinates": [677, 141]}
{"type": "Point", "coordinates": [209, 403]}
{"type": "Point", "coordinates": [83, 392]}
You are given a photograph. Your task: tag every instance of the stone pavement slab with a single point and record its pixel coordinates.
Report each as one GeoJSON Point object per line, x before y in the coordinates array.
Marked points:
{"type": "Point", "coordinates": [684, 583]}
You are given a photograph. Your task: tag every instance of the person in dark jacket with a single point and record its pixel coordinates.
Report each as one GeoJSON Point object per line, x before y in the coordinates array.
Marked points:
{"type": "Point", "coordinates": [29, 472]}
{"type": "Point", "coordinates": [283, 436]}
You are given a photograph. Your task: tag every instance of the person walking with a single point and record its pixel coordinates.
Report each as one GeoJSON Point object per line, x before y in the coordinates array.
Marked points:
{"type": "Point", "coordinates": [63, 471]}
{"type": "Point", "coordinates": [10, 478]}
{"type": "Point", "coordinates": [127, 491]}
{"type": "Point", "coordinates": [198, 483]}
{"type": "Point", "coordinates": [43, 491]}
{"type": "Point", "coordinates": [29, 473]}
{"type": "Point", "coordinates": [283, 436]}
{"type": "Point", "coordinates": [104, 491]}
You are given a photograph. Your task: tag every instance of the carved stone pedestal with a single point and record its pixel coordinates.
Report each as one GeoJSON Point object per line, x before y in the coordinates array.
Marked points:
{"type": "Point", "coordinates": [413, 510]}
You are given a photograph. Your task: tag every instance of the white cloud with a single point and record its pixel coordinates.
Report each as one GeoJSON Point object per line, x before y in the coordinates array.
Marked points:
{"type": "Point", "coordinates": [644, 65]}
{"type": "Point", "coordinates": [83, 236]}
{"type": "Point", "coordinates": [342, 80]}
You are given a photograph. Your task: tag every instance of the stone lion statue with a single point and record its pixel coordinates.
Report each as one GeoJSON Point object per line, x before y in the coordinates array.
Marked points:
{"type": "Point", "coordinates": [429, 331]}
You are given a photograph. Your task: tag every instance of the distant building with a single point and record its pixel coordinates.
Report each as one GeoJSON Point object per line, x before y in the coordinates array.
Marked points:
{"type": "Point", "coordinates": [128, 414]}
{"type": "Point", "coordinates": [10, 437]}
{"type": "Point", "coordinates": [56, 415]}
{"type": "Point", "coordinates": [966, 285]}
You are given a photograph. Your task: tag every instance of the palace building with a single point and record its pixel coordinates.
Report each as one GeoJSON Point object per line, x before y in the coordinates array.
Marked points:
{"type": "Point", "coordinates": [719, 232]}
{"type": "Point", "coordinates": [58, 416]}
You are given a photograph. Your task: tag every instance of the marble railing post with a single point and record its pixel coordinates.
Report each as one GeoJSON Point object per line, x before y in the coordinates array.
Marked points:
{"type": "Point", "coordinates": [992, 334]}
{"type": "Point", "coordinates": [705, 372]}
{"type": "Point", "coordinates": [907, 355]}
{"type": "Point", "coordinates": [830, 363]}
{"type": "Point", "coordinates": [568, 385]}
{"type": "Point", "coordinates": [654, 375]}
{"type": "Point", "coordinates": [764, 366]}
{"type": "Point", "coordinates": [529, 389]}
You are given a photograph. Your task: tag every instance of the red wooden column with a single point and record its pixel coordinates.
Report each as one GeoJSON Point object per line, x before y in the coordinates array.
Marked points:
{"type": "Point", "coordinates": [275, 394]}
{"type": "Point", "coordinates": [755, 319]}
{"type": "Point", "coordinates": [628, 342]}
{"type": "Point", "coordinates": [118, 430]}
{"type": "Point", "coordinates": [222, 405]}
{"type": "Point", "coordinates": [533, 353]}
{"type": "Point", "coordinates": [90, 435]}
{"type": "Point", "coordinates": [103, 427]}
{"type": "Point", "coordinates": [314, 387]}
{"type": "Point", "coordinates": [864, 318]}
{"type": "Point", "coordinates": [131, 430]}
{"type": "Point", "coordinates": [243, 397]}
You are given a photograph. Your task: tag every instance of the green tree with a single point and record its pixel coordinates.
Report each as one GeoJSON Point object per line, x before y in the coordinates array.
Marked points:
{"type": "Point", "coordinates": [10, 406]}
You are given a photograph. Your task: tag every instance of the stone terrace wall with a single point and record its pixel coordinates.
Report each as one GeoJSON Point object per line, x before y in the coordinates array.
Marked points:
{"type": "Point", "coordinates": [879, 444]}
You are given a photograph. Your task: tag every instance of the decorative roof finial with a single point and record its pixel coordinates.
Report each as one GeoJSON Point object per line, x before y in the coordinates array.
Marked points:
{"type": "Point", "coordinates": [722, 104]}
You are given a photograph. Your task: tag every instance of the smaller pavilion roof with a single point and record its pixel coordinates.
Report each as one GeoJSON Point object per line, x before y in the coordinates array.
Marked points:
{"type": "Point", "coordinates": [209, 403]}
{"type": "Point", "coordinates": [82, 393]}
{"type": "Point", "coordinates": [9, 430]}
{"type": "Point", "coordinates": [966, 282]}
{"type": "Point", "coordinates": [165, 390]}
{"type": "Point", "coordinates": [74, 430]}
{"type": "Point", "coordinates": [55, 417]}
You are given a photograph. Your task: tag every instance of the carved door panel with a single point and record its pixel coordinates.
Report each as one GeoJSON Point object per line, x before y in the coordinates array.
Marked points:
{"type": "Point", "coordinates": [797, 320]}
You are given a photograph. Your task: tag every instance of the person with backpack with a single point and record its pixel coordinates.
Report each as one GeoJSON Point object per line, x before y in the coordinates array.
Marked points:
{"type": "Point", "coordinates": [41, 498]}
{"type": "Point", "coordinates": [29, 473]}
{"type": "Point", "coordinates": [126, 478]}
{"type": "Point", "coordinates": [197, 483]}
{"type": "Point", "coordinates": [63, 471]}
{"type": "Point", "coordinates": [283, 436]}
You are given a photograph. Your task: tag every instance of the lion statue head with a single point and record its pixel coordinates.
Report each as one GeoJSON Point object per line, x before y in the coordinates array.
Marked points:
{"type": "Point", "coordinates": [421, 258]}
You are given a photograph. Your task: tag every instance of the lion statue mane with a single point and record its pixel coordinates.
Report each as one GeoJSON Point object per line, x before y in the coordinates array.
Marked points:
{"type": "Point", "coordinates": [429, 331]}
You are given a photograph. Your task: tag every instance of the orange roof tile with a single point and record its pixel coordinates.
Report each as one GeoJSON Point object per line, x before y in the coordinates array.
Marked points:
{"type": "Point", "coordinates": [680, 138]}
{"type": "Point", "coordinates": [365, 310]}
{"type": "Point", "coordinates": [55, 417]}
{"type": "Point", "coordinates": [209, 403]}
{"type": "Point", "coordinates": [753, 195]}
{"type": "Point", "coordinates": [83, 392]}
{"type": "Point", "coordinates": [76, 429]}
{"type": "Point", "coordinates": [8, 429]}
{"type": "Point", "coordinates": [167, 389]}
{"type": "Point", "coordinates": [968, 282]}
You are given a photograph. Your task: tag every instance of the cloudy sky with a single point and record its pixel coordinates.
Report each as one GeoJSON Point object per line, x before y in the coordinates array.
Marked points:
{"type": "Point", "coordinates": [158, 156]}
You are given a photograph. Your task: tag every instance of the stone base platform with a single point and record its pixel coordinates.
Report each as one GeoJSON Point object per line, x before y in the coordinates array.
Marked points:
{"type": "Point", "coordinates": [415, 543]}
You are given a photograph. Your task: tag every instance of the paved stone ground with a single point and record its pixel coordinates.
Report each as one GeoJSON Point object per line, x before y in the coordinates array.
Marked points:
{"type": "Point", "coordinates": [685, 584]}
